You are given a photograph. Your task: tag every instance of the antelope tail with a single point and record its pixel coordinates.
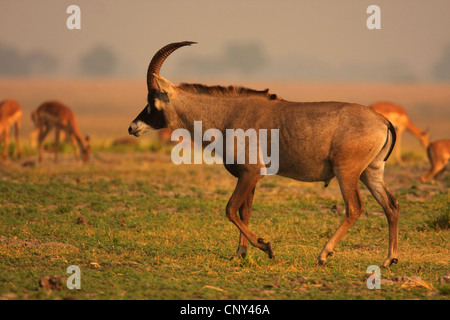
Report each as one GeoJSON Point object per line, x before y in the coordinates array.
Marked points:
{"type": "Point", "coordinates": [394, 138]}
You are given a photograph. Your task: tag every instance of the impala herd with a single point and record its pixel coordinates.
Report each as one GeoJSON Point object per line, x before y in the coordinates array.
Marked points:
{"type": "Point", "coordinates": [49, 115]}
{"type": "Point", "coordinates": [318, 141]}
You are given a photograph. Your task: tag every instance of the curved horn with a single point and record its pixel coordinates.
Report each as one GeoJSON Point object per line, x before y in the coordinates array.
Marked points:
{"type": "Point", "coordinates": [158, 59]}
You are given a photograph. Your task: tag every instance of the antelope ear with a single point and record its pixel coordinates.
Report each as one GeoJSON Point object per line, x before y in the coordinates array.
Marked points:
{"type": "Point", "coordinates": [165, 86]}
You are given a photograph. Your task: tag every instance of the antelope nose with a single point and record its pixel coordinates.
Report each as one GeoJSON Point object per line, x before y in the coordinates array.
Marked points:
{"type": "Point", "coordinates": [132, 128]}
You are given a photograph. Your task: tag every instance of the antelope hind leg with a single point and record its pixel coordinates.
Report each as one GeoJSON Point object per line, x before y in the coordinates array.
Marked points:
{"type": "Point", "coordinates": [354, 208]}
{"type": "Point", "coordinates": [373, 178]}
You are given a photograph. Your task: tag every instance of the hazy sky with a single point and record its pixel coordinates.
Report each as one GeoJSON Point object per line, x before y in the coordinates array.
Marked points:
{"type": "Point", "coordinates": [304, 38]}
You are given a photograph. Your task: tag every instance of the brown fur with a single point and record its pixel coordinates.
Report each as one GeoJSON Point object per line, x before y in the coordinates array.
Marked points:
{"type": "Point", "coordinates": [54, 114]}
{"type": "Point", "coordinates": [438, 154]}
{"type": "Point", "coordinates": [164, 135]}
{"type": "Point", "coordinates": [10, 115]}
{"type": "Point", "coordinates": [399, 118]}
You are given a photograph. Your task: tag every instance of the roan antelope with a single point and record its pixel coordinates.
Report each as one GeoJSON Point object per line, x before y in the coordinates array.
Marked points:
{"type": "Point", "coordinates": [400, 120]}
{"type": "Point", "coordinates": [438, 153]}
{"type": "Point", "coordinates": [317, 142]}
{"type": "Point", "coordinates": [54, 114]}
{"type": "Point", "coordinates": [10, 114]}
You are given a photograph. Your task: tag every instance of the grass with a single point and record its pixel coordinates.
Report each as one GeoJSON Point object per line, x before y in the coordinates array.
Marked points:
{"type": "Point", "coordinates": [153, 230]}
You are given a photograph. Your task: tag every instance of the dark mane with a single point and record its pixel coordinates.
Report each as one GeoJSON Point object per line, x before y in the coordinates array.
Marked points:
{"type": "Point", "coordinates": [225, 91]}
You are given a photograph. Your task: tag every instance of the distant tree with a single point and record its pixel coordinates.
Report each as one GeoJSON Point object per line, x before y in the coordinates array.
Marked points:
{"type": "Point", "coordinates": [12, 62]}
{"type": "Point", "coordinates": [441, 70]}
{"type": "Point", "coordinates": [41, 63]}
{"type": "Point", "coordinates": [244, 58]}
{"type": "Point", "coordinates": [98, 61]}
{"type": "Point", "coordinates": [247, 58]}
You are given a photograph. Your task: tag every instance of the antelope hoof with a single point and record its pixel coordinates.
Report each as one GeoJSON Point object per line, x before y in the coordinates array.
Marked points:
{"type": "Point", "coordinates": [241, 252]}
{"type": "Point", "coordinates": [267, 248]}
{"type": "Point", "coordinates": [322, 261]}
{"type": "Point", "coordinates": [390, 261]}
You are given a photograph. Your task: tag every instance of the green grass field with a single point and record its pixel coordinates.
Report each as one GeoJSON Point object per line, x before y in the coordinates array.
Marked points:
{"type": "Point", "coordinates": [140, 227]}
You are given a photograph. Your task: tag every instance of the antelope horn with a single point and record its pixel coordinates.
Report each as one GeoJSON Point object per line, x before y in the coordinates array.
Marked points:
{"type": "Point", "coordinates": [158, 59]}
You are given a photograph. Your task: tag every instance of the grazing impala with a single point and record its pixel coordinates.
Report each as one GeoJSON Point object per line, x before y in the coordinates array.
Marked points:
{"type": "Point", "coordinates": [53, 114]}
{"type": "Point", "coordinates": [400, 120]}
{"type": "Point", "coordinates": [438, 153]}
{"type": "Point", "coordinates": [10, 114]}
{"type": "Point", "coordinates": [317, 142]}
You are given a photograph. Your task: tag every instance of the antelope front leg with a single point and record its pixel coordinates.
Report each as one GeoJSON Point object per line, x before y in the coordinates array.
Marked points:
{"type": "Point", "coordinates": [73, 141]}
{"type": "Point", "coordinates": [244, 212]}
{"type": "Point", "coordinates": [43, 131]}
{"type": "Point", "coordinates": [18, 150]}
{"type": "Point", "coordinates": [5, 154]}
{"type": "Point", "coordinates": [57, 137]}
{"type": "Point", "coordinates": [241, 193]}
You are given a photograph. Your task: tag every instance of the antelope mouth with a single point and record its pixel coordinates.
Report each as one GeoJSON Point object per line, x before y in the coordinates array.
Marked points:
{"type": "Point", "coordinates": [138, 128]}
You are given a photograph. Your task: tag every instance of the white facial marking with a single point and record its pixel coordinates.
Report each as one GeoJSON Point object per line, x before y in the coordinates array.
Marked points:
{"type": "Point", "coordinates": [138, 128]}
{"type": "Point", "coordinates": [158, 104]}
